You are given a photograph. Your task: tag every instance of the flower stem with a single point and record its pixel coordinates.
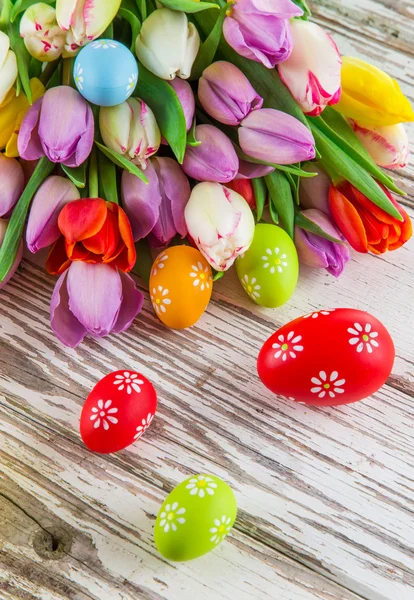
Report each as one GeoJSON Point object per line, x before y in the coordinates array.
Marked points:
{"type": "Point", "coordinates": [93, 175]}
{"type": "Point", "coordinates": [67, 71]}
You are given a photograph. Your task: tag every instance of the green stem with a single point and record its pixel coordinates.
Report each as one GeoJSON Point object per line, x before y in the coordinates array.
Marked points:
{"type": "Point", "coordinates": [93, 175]}
{"type": "Point", "coordinates": [67, 71]}
{"type": "Point", "coordinates": [49, 71]}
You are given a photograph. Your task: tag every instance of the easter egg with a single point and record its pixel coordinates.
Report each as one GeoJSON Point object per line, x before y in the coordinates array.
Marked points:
{"type": "Point", "coordinates": [181, 283]}
{"type": "Point", "coordinates": [195, 518]}
{"type": "Point", "coordinates": [118, 411]}
{"type": "Point", "coordinates": [269, 270]}
{"type": "Point", "coordinates": [329, 357]}
{"type": "Point", "coordinates": [105, 72]}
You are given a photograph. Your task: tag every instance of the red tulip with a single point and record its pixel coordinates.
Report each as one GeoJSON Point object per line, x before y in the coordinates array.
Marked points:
{"type": "Point", "coordinates": [244, 187]}
{"type": "Point", "coordinates": [367, 227]}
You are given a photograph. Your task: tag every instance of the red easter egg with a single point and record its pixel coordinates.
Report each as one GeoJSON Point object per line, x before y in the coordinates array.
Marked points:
{"type": "Point", "coordinates": [328, 357]}
{"type": "Point", "coordinates": [118, 411]}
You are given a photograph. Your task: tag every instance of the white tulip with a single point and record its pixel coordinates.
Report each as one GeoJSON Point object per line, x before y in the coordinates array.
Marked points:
{"type": "Point", "coordinates": [220, 222]}
{"type": "Point", "coordinates": [386, 144]}
{"type": "Point", "coordinates": [168, 44]}
{"type": "Point", "coordinates": [8, 67]}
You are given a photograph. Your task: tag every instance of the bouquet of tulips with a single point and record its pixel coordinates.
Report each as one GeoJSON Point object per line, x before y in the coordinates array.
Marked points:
{"type": "Point", "coordinates": [232, 114]}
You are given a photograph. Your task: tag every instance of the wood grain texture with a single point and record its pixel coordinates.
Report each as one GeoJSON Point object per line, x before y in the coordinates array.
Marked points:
{"type": "Point", "coordinates": [325, 496]}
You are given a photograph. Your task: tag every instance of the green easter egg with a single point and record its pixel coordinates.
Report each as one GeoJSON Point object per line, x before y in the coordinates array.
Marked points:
{"type": "Point", "coordinates": [195, 518]}
{"type": "Point", "coordinates": [269, 270]}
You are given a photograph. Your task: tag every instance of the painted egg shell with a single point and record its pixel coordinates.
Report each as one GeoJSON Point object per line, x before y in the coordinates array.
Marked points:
{"type": "Point", "coordinates": [195, 518]}
{"type": "Point", "coordinates": [181, 283]}
{"type": "Point", "coordinates": [117, 412]}
{"type": "Point", "coordinates": [105, 72]}
{"type": "Point", "coordinates": [327, 358]}
{"type": "Point", "coordinates": [269, 270]}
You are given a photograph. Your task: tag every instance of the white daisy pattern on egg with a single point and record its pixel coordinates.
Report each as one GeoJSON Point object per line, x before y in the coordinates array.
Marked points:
{"type": "Point", "coordinates": [128, 381]}
{"type": "Point", "coordinates": [171, 516]}
{"type": "Point", "coordinates": [201, 276]}
{"type": "Point", "coordinates": [132, 82]}
{"type": "Point", "coordinates": [288, 346]}
{"type": "Point", "coordinates": [102, 414]}
{"type": "Point", "coordinates": [201, 485]}
{"type": "Point", "coordinates": [79, 78]}
{"type": "Point", "coordinates": [160, 300]}
{"type": "Point", "coordinates": [315, 315]}
{"type": "Point", "coordinates": [274, 260]}
{"type": "Point", "coordinates": [251, 287]}
{"type": "Point", "coordinates": [221, 529]}
{"type": "Point", "coordinates": [159, 262]}
{"type": "Point", "coordinates": [104, 44]}
{"type": "Point", "coordinates": [325, 385]}
{"type": "Point", "coordinates": [363, 337]}
{"type": "Point", "coordinates": [145, 423]}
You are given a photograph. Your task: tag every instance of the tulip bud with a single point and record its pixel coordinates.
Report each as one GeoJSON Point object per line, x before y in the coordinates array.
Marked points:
{"type": "Point", "coordinates": [186, 97]}
{"type": "Point", "coordinates": [313, 71]}
{"type": "Point", "coordinates": [50, 198]}
{"type": "Point", "coordinates": [214, 159]}
{"type": "Point", "coordinates": [11, 183]}
{"type": "Point", "coordinates": [130, 129]}
{"type": "Point", "coordinates": [276, 137]}
{"type": "Point", "coordinates": [314, 191]}
{"type": "Point", "coordinates": [168, 44]}
{"type": "Point", "coordinates": [387, 145]}
{"type": "Point", "coordinates": [3, 228]}
{"type": "Point", "coordinates": [226, 94]}
{"type": "Point", "coordinates": [220, 222]}
{"type": "Point", "coordinates": [244, 187]}
{"type": "Point", "coordinates": [8, 67]}
{"type": "Point", "coordinates": [318, 252]}
{"type": "Point", "coordinates": [42, 36]}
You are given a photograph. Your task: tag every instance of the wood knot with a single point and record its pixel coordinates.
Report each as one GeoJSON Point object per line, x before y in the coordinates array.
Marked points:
{"type": "Point", "coordinates": [53, 543]}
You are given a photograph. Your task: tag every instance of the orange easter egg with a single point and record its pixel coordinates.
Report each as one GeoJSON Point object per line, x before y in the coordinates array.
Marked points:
{"type": "Point", "coordinates": [181, 284]}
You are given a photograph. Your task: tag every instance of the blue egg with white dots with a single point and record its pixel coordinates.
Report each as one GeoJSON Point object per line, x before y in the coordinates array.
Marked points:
{"type": "Point", "coordinates": [105, 72]}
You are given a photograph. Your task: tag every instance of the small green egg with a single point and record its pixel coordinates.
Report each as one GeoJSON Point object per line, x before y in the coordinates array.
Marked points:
{"type": "Point", "coordinates": [195, 518]}
{"type": "Point", "coordinates": [269, 270]}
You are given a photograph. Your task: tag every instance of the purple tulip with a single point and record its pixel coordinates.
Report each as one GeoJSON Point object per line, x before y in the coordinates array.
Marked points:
{"type": "Point", "coordinates": [3, 227]}
{"type": "Point", "coordinates": [185, 95]}
{"type": "Point", "coordinates": [276, 137]}
{"type": "Point", "coordinates": [260, 29]}
{"type": "Point", "coordinates": [59, 125]}
{"type": "Point", "coordinates": [11, 183]}
{"type": "Point", "coordinates": [318, 252]}
{"type": "Point", "coordinates": [214, 159]}
{"type": "Point", "coordinates": [249, 170]}
{"type": "Point", "coordinates": [226, 94]}
{"type": "Point", "coordinates": [314, 191]}
{"type": "Point", "coordinates": [157, 208]}
{"type": "Point", "coordinates": [50, 198]}
{"type": "Point", "coordinates": [93, 299]}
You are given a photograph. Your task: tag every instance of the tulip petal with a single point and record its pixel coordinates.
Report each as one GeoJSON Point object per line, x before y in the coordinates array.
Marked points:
{"type": "Point", "coordinates": [65, 10]}
{"type": "Point", "coordinates": [98, 15]}
{"type": "Point", "coordinates": [82, 219]}
{"type": "Point", "coordinates": [65, 325]}
{"type": "Point", "coordinates": [176, 193]}
{"type": "Point", "coordinates": [29, 143]}
{"type": "Point", "coordinates": [107, 239]}
{"type": "Point", "coordinates": [347, 220]}
{"type": "Point", "coordinates": [95, 296]}
{"type": "Point", "coordinates": [248, 170]}
{"type": "Point", "coordinates": [126, 259]}
{"type": "Point", "coordinates": [17, 260]}
{"type": "Point", "coordinates": [132, 301]}
{"type": "Point", "coordinates": [141, 201]}
{"type": "Point", "coordinates": [57, 261]}
{"type": "Point", "coordinates": [11, 183]}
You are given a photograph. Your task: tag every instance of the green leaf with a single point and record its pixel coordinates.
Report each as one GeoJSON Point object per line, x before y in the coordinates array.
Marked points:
{"type": "Point", "coordinates": [305, 223]}
{"type": "Point", "coordinates": [218, 275]}
{"type": "Point", "coordinates": [108, 189]}
{"type": "Point", "coordinates": [164, 103]}
{"type": "Point", "coordinates": [142, 7]}
{"type": "Point", "coordinates": [135, 25]}
{"type": "Point", "coordinates": [304, 6]}
{"type": "Point", "coordinates": [191, 137]}
{"type": "Point", "coordinates": [294, 184]}
{"type": "Point", "coordinates": [188, 6]}
{"type": "Point", "coordinates": [77, 175]}
{"type": "Point", "coordinates": [273, 212]}
{"type": "Point", "coordinates": [287, 168]}
{"type": "Point", "coordinates": [11, 242]}
{"type": "Point", "coordinates": [22, 56]}
{"type": "Point", "coordinates": [281, 197]}
{"type": "Point", "coordinates": [144, 262]}
{"type": "Point", "coordinates": [22, 5]}
{"type": "Point", "coordinates": [209, 47]}
{"type": "Point", "coordinates": [336, 159]}
{"type": "Point", "coordinates": [260, 193]}
{"type": "Point", "coordinates": [122, 162]}
{"type": "Point", "coordinates": [5, 11]}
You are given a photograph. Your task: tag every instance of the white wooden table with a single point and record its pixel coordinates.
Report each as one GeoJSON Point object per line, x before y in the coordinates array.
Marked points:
{"type": "Point", "coordinates": [326, 496]}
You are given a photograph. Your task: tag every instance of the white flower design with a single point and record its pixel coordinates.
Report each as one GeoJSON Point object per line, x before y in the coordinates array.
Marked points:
{"type": "Point", "coordinates": [251, 287]}
{"type": "Point", "coordinates": [201, 485]}
{"type": "Point", "coordinates": [145, 423]}
{"type": "Point", "coordinates": [221, 529]}
{"type": "Point", "coordinates": [159, 299]}
{"type": "Point", "coordinates": [275, 260]}
{"type": "Point", "coordinates": [160, 262]}
{"type": "Point", "coordinates": [132, 82]}
{"type": "Point", "coordinates": [288, 346]}
{"type": "Point", "coordinates": [327, 385]}
{"type": "Point", "coordinates": [171, 516]}
{"type": "Point", "coordinates": [103, 413]}
{"type": "Point", "coordinates": [364, 337]}
{"type": "Point", "coordinates": [79, 76]}
{"type": "Point", "coordinates": [104, 44]}
{"type": "Point", "coordinates": [315, 315]}
{"type": "Point", "coordinates": [201, 276]}
{"type": "Point", "coordinates": [129, 381]}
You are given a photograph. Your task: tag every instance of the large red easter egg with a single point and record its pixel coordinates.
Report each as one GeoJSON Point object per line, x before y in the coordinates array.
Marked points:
{"type": "Point", "coordinates": [118, 411]}
{"type": "Point", "coordinates": [328, 357]}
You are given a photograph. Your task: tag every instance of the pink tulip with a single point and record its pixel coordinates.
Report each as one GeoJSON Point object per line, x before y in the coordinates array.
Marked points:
{"type": "Point", "coordinates": [185, 95]}
{"type": "Point", "coordinates": [214, 159]}
{"type": "Point", "coordinates": [314, 191]}
{"type": "Point", "coordinates": [313, 71]}
{"type": "Point", "coordinates": [11, 183]}
{"type": "Point", "coordinates": [3, 227]}
{"type": "Point", "coordinates": [387, 144]}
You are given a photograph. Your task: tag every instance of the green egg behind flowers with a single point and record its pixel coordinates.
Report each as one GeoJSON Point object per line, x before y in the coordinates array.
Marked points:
{"type": "Point", "coordinates": [195, 518]}
{"type": "Point", "coordinates": [269, 270]}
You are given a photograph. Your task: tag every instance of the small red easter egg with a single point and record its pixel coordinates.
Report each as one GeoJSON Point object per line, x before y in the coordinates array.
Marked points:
{"type": "Point", "coordinates": [328, 357]}
{"type": "Point", "coordinates": [117, 412]}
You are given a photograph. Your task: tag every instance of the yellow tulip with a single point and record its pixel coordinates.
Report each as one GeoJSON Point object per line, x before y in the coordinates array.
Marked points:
{"type": "Point", "coordinates": [12, 113]}
{"type": "Point", "coordinates": [370, 96]}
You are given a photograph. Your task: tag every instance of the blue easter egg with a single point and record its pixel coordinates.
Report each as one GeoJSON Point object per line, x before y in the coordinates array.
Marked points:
{"type": "Point", "coordinates": [105, 72]}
